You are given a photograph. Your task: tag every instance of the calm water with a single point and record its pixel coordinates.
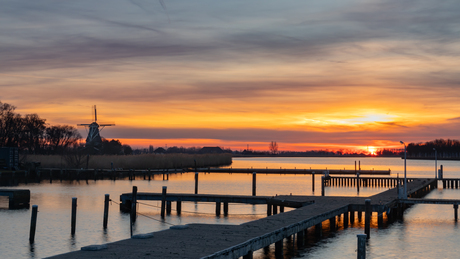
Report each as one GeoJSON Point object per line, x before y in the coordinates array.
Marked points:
{"type": "Point", "coordinates": [427, 230]}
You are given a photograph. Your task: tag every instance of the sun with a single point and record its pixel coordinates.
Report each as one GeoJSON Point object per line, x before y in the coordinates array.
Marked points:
{"type": "Point", "coordinates": [372, 150]}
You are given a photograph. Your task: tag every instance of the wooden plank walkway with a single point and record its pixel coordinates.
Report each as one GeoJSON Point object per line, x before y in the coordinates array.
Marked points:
{"type": "Point", "coordinates": [233, 241]}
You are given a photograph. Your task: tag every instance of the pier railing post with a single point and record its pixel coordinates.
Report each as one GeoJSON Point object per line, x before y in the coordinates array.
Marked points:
{"type": "Point", "coordinates": [254, 183]}
{"type": "Point", "coordinates": [362, 246]}
{"type": "Point", "coordinates": [33, 223]}
{"type": "Point", "coordinates": [367, 218]}
{"type": "Point", "coordinates": [163, 202]}
{"type": "Point", "coordinates": [74, 215]}
{"type": "Point", "coordinates": [106, 210]}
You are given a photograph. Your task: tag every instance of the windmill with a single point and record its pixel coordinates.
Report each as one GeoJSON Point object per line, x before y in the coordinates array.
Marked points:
{"type": "Point", "coordinates": [94, 141]}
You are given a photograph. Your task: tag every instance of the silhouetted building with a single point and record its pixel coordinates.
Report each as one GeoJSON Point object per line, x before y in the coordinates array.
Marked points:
{"type": "Point", "coordinates": [211, 150]}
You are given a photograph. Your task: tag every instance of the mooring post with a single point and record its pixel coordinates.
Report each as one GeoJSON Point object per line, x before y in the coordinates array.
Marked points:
{"type": "Point", "coordinates": [322, 185]}
{"type": "Point", "coordinates": [163, 202]}
{"type": "Point", "coordinates": [196, 182]}
{"type": "Point", "coordinates": [33, 223]}
{"type": "Point", "coordinates": [74, 215]}
{"type": "Point", "coordinates": [134, 204]}
{"type": "Point", "coordinates": [357, 181]}
{"type": "Point", "coordinates": [456, 212]}
{"type": "Point", "coordinates": [362, 246]}
{"type": "Point", "coordinates": [254, 183]}
{"type": "Point", "coordinates": [313, 181]}
{"type": "Point", "coordinates": [106, 210]}
{"type": "Point", "coordinates": [367, 218]}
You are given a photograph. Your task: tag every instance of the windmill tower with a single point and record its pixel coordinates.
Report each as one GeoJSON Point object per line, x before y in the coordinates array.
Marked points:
{"type": "Point", "coordinates": [94, 141]}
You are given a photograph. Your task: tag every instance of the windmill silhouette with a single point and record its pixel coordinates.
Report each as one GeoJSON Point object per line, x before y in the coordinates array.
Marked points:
{"type": "Point", "coordinates": [94, 141]}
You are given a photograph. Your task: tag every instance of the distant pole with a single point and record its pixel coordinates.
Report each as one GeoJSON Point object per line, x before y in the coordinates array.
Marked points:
{"type": "Point", "coordinates": [134, 204]}
{"type": "Point", "coordinates": [33, 223]}
{"type": "Point", "coordinates": [74, 215]}
{"type": "Point", "coordinates": [405, 176]}
{"type": "Point", "coordinates": [106, 210]}
{"type": "Point", "coordinates": [196, 182]}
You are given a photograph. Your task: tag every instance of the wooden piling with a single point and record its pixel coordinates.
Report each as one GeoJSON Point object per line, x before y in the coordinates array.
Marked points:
{"type": "Point", "coordinates": [225, 208]}
{"type": "Point", "coordinates": [33, 223]}
{"type": "Point", "coordinates": [163, 202]}
{"type": "Point", "coordinates": [254, 183]}
{"type": "Point", "coordinates": [313, 181]}
{"type": "Point", "coordinates": [367, 219]}
{"type": "Point", "coordinates": [352, 217]}
{"type": "Point", "coordinates": [218, 206]}
{"type": "Point", "coordinates": [322, 185]}
{"type": "Point", "coordinates": [74, 215]}
{"type": "Point", "coordinates": [281, 208]}
{"type": "Point", "coordinates": [362, 246]}
{"type": "Point", "coordinates": [168, 207]}
{"type": "Point", "coordinates": [248, 255]}
{"type": "Point", "coordinates": [300, 239]}
{"type": "Point", "coordinates": [275, 209]}
{"type": "Point", "coordinates": [456, 212]}
{"type": "Point", "coordinates": [269, 209]}
{"type": "Point", "coordinates": [319, 229]}
{"type": "Point", "coordinates": [178, 207]}
{"type": "Point", "coordinates": [332, 224]}
{"type": "Point", "coordinates": [279, 249]}
{"type": "Point", "coordinates": [134, 204]}
{"type": "Point", "coordinates": [106, 210]}
{"type": "Point", "coordinates": [345, 219]}
{"type": "Point", "coordinates": [196, 182]}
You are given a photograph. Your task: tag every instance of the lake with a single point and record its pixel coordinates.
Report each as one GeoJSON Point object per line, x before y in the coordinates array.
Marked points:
{"type": "Point", "coordinates": [427, 230]}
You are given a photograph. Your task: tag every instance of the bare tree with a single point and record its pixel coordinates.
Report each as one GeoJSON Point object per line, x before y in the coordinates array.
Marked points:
{"type": "Point", "coordinates": [273, 147]}
{"type": "Point", "coordinates": [60, 137]}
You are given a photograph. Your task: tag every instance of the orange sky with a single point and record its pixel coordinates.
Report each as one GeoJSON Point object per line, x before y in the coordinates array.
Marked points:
{"type": "Point", "coordinates": [314, 75]}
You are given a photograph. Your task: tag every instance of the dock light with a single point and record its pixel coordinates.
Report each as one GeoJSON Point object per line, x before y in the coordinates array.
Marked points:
{"type": "Point", "coordinates": [435, 164]}
{"type": "Point", "coordinates": [405, 177]}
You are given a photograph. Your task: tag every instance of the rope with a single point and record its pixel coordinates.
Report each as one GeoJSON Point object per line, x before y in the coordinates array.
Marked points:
{"type": "Point", "coordinates": [194, 212]}
{"type": "Point", "coordinates": [162, 221]}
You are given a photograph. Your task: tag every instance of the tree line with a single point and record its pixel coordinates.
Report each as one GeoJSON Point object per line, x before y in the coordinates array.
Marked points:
{"type": "Point", "coordinates": [32, 135]}
{"type": "Point", "coordinates": [444, 149]}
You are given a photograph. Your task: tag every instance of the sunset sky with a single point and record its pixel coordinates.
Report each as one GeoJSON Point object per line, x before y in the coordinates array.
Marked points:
{"type": "Point", "coordinates": [329, 74]}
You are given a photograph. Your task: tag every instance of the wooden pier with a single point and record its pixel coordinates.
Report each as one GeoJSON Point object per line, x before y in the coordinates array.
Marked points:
{"type": "Point", "coordinates": [18, 198]}
{"type": "Point", "coordinates": [294, 171]}
{"type": "Point", "coordinates": [234, 241]}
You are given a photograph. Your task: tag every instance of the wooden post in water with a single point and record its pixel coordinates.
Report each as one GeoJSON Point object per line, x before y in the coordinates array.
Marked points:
{"type": "Point", "coordinates": [248, 255]}
{"type": "Point", "coordinates": [33, 223]}
{"type": "Point", "coordinates": [269, 209]}
{"type": "Point", "coordinates": [134, 204]}
{"type": "Point", "coordinates": [319, 229]}
{"type": "Point", "coordinates": [196, 182]}
{"type": "Point", "coordinates": [178, 206]}
{"type": "Point", "coordinates": [332, 223]}
{"type": "Point", "coordinates": [163, 202]}
{"type": "Point", "coordinates": [345, 219]}
{"type": "Point", "coordinates": [362, 246]}
{"type": "Point", "coordinates": [106, 210]}
{"type": "Point", "coordinates": [313, 181]}
{"type": "Point", "coordinates": [254, 183]}
{"type": "Point", "coordinates": [357, 181]}
{"type": "Point", "coordinates": [74, 215]}
{"type": "Point", "coordinates": [275, 209]}
{"type": "Point", "coordinates": [456, 212]}
{"type": "Point", "coordinates": [322, 185]}
{"type": "Point", "coordinates": [367, 218]}
{"type": "Point", "coordinates": [218, 206]}
{"type": "Point", "coordinates": [279, 249]}
{"type": "Point", "coordinates": [168, 207]}
{"type": "Point", "coordinates": [225, 208]}
{"type": "Point", "coordinates": [352, 217]}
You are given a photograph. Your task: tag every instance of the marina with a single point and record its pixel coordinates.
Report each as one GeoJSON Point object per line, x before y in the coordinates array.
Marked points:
{"type": "Point", "coordinates": [89, 218]}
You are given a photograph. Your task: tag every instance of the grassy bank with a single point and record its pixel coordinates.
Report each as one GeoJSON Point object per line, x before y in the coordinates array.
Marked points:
{"type": "Point", "coordinates": [152, 161]}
